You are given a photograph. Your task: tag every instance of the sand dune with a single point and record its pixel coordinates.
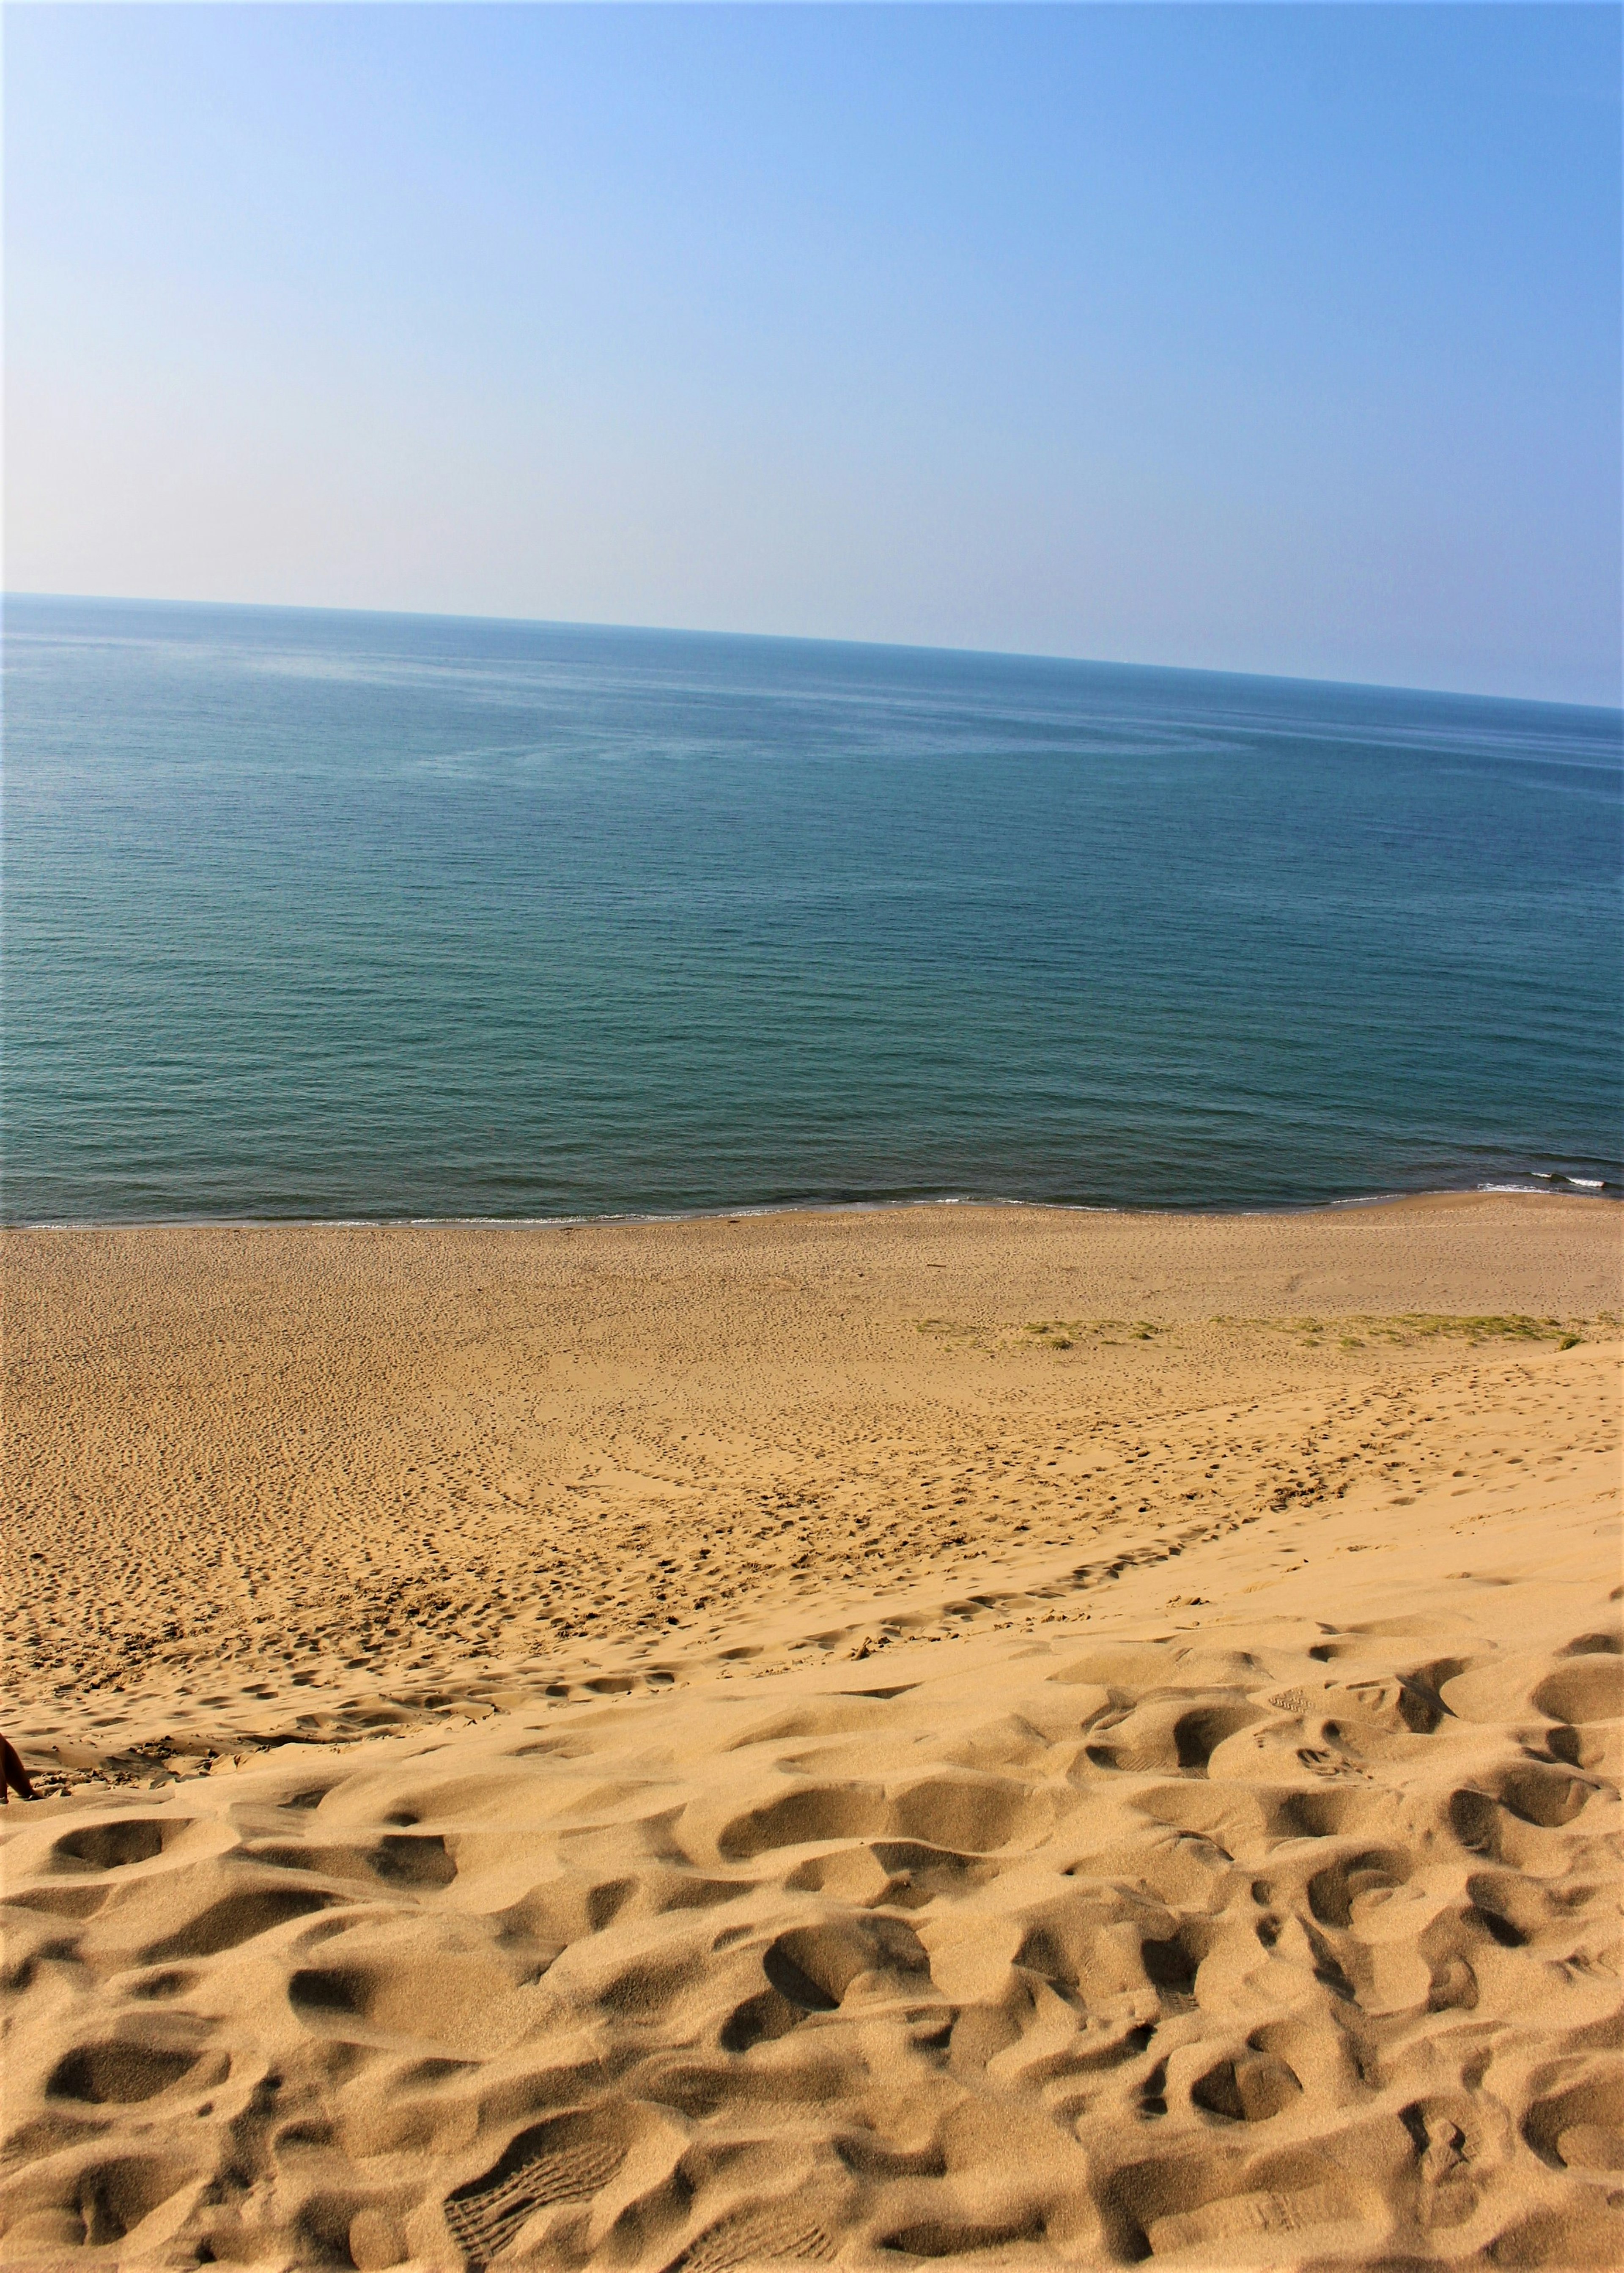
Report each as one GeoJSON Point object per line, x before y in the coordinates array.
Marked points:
{"type": "Point", "coordinates": [1181, 1823]}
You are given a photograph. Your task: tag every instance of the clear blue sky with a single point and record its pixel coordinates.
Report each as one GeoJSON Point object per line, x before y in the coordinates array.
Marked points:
{"type": "Point", "coordinates": [1278, 338]}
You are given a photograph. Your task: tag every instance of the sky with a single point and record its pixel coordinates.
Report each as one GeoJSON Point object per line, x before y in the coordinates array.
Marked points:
{"type": "Point", "coordinates": [1278, 338]}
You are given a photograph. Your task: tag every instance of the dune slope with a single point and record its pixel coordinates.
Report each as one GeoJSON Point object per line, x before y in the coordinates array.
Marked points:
{"type": "Point", "coordinates": [1239, 1888]}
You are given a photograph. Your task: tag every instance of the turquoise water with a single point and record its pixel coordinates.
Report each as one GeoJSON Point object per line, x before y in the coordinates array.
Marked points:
{"type": "Point", "coordinates": [361, 916]}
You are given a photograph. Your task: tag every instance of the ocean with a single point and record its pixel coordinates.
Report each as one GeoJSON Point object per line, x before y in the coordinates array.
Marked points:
{"type": "Point", "coordinates": [319, 915]}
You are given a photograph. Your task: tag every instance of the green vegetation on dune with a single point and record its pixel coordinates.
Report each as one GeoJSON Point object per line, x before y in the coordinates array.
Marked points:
{"type": "Point", "coordinates": [1407, 1327]}
{"type": "Point", "coordinates": [1401, 1330]}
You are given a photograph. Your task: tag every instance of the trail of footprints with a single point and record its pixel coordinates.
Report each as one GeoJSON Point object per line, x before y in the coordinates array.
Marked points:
{"type": "Point", "coordinates": [1301, 1458]}
{"type": "Point", "coordinates": [1301, 1951]}
{"type": "Point", "coordinates": [277, 1560]}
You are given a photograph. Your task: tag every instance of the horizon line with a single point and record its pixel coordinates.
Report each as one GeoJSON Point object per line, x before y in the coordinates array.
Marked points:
{"type": "Point", "coordinates": [815, 639]}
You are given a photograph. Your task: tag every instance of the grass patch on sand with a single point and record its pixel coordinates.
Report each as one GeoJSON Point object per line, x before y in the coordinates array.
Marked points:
{"type": "Point", "coordinates": [1406, 1328]}
{"type": "Point", "coordinates": [1063, 1333]}
{"type": "Point", "coordinates": [1400, 1330]}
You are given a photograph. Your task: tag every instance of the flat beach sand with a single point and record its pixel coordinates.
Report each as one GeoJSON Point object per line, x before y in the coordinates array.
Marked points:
{"type": "Point", "coordinates": [1001, 1734]}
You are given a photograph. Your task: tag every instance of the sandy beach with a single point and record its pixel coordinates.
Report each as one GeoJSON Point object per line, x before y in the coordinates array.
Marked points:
{"type": "Point", "coordinates": [1008, 1734]}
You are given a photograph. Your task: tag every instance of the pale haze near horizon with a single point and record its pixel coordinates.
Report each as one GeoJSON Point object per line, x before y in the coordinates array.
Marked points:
{"type": "Point", "coordinates": [1281, 340]}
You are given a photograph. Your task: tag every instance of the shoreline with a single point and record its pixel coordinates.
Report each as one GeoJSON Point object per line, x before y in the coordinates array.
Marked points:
{"type": "Point", "coordinates": [1605, 1189]}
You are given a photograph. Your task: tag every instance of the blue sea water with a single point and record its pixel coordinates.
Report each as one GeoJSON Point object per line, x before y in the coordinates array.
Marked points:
{"type": "Point", "coordinates": [325, 915]}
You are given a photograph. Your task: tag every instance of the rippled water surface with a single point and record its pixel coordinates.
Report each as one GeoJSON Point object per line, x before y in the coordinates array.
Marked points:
{"type": "Point", "coordinates": [327, 915]}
